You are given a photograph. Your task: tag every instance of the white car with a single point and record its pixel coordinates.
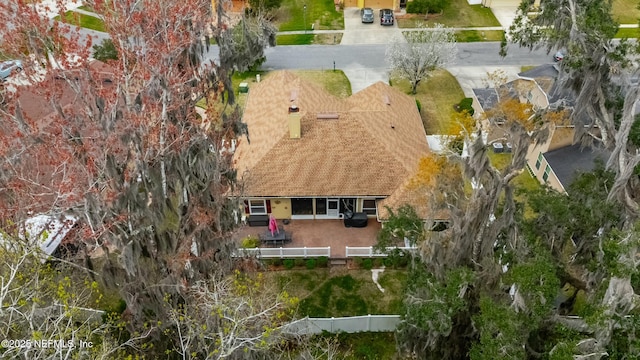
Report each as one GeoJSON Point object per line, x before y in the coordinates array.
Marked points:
{"type": "Point", "coordinates": [8, 67]}
{"type": "Point", "coordinates": [558, 56]}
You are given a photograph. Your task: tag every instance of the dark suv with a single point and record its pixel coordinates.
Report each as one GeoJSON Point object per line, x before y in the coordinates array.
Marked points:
{"type": "Point", "coordinates": [386, 17]}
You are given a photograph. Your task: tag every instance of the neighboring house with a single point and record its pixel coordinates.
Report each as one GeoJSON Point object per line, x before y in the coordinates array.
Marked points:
{"type": "Point", "coordinates": [311, 155]}
{"type": "Point", "coordinates": [526, 90]}
{"type": "Point", "coordinates": [557, 161]}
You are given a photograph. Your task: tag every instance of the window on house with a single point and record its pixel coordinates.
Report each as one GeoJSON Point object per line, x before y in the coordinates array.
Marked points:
{"type": "Point", "coordinates": [321, 206]}
{"type": "Point", "coordinates": [302, 206]}
{"type": "Point", "coordinates": [257, 207]}
{"type": "Point", "coordinates": [347, 204]}
{"type": "Point", "coordinates": [539, 161]}
{"type": "Point", "coordinates": [547, 170]}
{"type": "Point", "coordinates": [369, 206]}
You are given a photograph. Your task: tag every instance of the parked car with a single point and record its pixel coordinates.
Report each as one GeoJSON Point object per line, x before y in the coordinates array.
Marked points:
{"type": "Point", "coordinates": [386, 17]}
{"type": "Point", "coordinates": [367, 15]}
{"type": "Point", "coordinates": [558, 56]}
{"type": "Point", "coordinates": [8, 67]}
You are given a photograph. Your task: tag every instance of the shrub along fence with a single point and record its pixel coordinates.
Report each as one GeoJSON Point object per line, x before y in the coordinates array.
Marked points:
{"type": "Point", "coordinates": [309, 252]}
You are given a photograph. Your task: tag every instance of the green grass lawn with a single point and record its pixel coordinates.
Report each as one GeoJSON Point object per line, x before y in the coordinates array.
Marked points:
{"type": "Point", "coordinates": [458, 14]}
{"type": "Point", "coordinates": [626, 11]}
{"type": "Point", "coordinates": [82, 20]}
{"type": "Point", "coordinates": [334, 82]}
{"type": "Point", "coordinates": [475, 35]}
{"type": "Point", "coordinates": [437, 95]}
{"type": "Point", "coordinates": [291, 16]}
{"type": "Point", "coordinates": [307, 39]}
{"type": "Point", "coordinates": [86, 8]}
{"type": "Point", "coordinates": [629, 33]}
{"type": "Point", "coordinates": [522, 183]}
{"type": "Point", "coordinates": [361, 346]}
{"type": "Point", "coordinates": [341, 292]}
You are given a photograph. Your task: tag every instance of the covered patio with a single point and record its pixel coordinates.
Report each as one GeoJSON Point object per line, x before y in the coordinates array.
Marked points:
{"type": "Point", "coordinates": [319, 233]}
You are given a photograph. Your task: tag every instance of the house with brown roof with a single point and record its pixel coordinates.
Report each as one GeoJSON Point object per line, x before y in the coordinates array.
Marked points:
{"type": "Point", "coordinates": [311, 155]}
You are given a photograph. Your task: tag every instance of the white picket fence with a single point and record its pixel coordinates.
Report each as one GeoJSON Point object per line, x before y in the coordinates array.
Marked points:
{"type": "Point", "coordinates": [284, 253]}
{"type": "Point", "coordinates": [353, 324]}
{"type": "Point", "coordinates": [368, 251]}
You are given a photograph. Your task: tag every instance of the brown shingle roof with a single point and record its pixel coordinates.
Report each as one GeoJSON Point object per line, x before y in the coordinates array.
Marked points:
{"type": "Point", "coordinates": [370, 150]}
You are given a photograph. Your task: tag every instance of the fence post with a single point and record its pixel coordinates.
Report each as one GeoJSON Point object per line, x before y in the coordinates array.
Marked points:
{"type": "Point", "coordinates": [370, 251]}
{"type": "Point", "coordinates": [305, 251]}
{"type": "Point", "coordinates": [346, 251]}
{"type": "Point", "coordinates": [369, 322]}
{"type": "Point", "coordinates": [332, 318]}
{"type": "Point", "coordinates": [281, 254]}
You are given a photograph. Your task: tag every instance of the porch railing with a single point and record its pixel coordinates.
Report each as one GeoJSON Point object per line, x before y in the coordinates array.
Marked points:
{"type": "Point", "coordinates": [282, 253]}
{"type": "Point", "coordinates": [369, 251]}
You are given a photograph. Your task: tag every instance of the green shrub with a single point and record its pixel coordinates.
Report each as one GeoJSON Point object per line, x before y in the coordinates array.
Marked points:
{"type": "Point", "coordinates": [288, 264]}
{"type": "Point", "coordinates": [311, 264]}
{"type": "Point", "coordinates": [367, 264]}
{"type": "Point", "coordinates": [399, 258]}
{"type": "Point", "coordinates": [378, 262]}
{"type": "Point", "coordinates": [388, 262]}
{"type": "Point", "coordinates": [276, 262]}
{"type": "Point", "coordinates": [466, 104]}
{"type": "Point", "coordinates": [250, 242]}
{"type": "Point", "coordinates": [105, 51]}
{"type": "Point", "coordinates": [323, 261]}
{"type": "Point", "coordinates": [419, 106]}
{"type": "Point", "coordinates": [299, 262]}
{"type": "Point", "coordinates": [358, 262]}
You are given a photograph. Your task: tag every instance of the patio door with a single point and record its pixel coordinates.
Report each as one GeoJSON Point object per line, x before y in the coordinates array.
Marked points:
{"type": "Point", "coordinates": [333, 206]}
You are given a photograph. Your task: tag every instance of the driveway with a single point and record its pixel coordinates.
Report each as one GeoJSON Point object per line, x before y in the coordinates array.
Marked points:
{"type": "Point", "coordinates": [504, 11]}
{"type": "Point", "coordinates": [355, 32]}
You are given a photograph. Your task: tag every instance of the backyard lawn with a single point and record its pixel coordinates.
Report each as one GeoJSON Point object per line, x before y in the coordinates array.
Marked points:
{"type": "Point", "coordinates": [291, 16]}
{"type": "Point", "coordinates": [341, 292]}
{"type": "Point", "coordinates": [362, 346]}
{"type": "Point", "coordinates": [458, 14]}
{"type": "Point", "coordinates": [626, 11]}
{"type": "Point", "coordinates": [436, 95]}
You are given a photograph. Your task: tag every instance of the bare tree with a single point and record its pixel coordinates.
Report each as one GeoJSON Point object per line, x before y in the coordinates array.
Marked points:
{"type": "Point", "coordinates": [47, 306]}
{"type": "Point", "coordinates": [425, 50]}
{"type": "Point", "coordinates": [122, 146]}
{"type": "Point", "coordinates": [225, 317]}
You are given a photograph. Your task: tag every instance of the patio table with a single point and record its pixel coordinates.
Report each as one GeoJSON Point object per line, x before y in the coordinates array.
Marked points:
{"type": "Point", "coordinates": [278, 238]}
